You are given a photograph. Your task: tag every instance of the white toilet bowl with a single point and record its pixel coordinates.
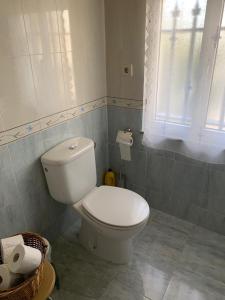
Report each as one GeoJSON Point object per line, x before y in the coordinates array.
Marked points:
{"type": "Point", "coordinates": [111, 217]}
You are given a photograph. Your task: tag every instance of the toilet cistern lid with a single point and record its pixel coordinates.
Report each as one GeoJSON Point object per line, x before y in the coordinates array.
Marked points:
{"type": "Point", "coordinates": [67, 151]}
{"type": "Point", "coordinates": [116, 206]}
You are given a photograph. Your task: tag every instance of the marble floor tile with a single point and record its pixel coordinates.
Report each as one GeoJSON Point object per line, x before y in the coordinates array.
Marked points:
{"type": "Point", "coordinates": [79, 271]}
{"type": "Point", "coordinates": [161, 246]}
{"type": "Point", "coordinates": [172, 260]}
{"type": "Point", "coordinates": [85, 278]}
{"type": "Point", "coordinates": [192, 287]}
{"type": "Point", "coordinates": [171, 221]}
{"type": "Point", "coordinates": [74, 251]}
{"type": "Point", "coordinates": [204, 254]}
{"type": "Point", "coordinates": [117, 291]}
{"type": "Point", "coordinates": [65, 295]}
{"type": "Point", "coordinates": [143, 279]}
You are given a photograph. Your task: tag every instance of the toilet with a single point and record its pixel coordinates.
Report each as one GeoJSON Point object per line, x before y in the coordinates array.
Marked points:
{"type": "Point", "coordinates": [111, 216]}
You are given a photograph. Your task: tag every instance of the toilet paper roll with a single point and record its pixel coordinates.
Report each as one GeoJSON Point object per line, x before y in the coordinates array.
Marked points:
{"type": "Point", "coordinates": [6, 254]}
{"type": "Point", "coordinates": [125, 152]}
{"type": "Point", "coordinates": [8, 245]}
{"type": "Point", "coordinates": [12, 241]}
{"type": "Point", "coordinates": [24, 259]}
{"type": "Point", "coordinates": [7, 278]}
{"type": "Point", "coordinates": [125, 141]}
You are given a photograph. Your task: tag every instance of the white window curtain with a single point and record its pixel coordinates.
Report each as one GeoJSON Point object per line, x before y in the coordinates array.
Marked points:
{"type": "Point", "coordinates": [184, 88]}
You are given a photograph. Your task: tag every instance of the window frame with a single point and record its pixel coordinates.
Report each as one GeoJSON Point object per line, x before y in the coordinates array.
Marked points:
{"type": "Point", "coordinates": [208, 54]}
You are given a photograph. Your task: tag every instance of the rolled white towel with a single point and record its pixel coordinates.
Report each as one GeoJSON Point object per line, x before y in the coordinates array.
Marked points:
{"type": "Point", "coordinates": [7, 278]}
{"type": "Point", "coordinates": [24, 259]}
{"type": "Point", "coordinates": [8, 245]}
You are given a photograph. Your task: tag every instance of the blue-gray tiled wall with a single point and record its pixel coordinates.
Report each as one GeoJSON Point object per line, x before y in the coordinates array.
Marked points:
{"type": "Point", "coordinates": [25, 204]}
{"type": "Point", "coordinates": [172, 183]}
{"type": "Point", "coordinates": [177, 185]}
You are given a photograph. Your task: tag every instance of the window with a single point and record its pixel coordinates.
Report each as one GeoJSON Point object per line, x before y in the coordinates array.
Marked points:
{"type": "Point", "coordinates": [185, 71]}
{"type": "Point", "coordinates": [180, 46]}
{"type": "Point", "coordinates": [216, 111]}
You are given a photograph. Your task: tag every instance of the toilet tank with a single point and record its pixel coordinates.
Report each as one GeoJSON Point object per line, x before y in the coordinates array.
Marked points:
{"type": "Point", "coordinates": [70, 169]}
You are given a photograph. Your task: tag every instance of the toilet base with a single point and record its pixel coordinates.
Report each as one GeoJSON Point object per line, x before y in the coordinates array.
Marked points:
{"type": "Point", "coordinates": [113, 250]}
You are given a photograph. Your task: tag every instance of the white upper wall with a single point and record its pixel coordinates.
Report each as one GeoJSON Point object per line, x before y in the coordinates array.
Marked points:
{"type": "Point", "coordinates": [125, 24]}
{"type": "Point", "coordinates": [52, 57]}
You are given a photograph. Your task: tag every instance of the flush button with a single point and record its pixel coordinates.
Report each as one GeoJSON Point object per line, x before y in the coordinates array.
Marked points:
{"type": "Point", "coordinates": [72, 147]}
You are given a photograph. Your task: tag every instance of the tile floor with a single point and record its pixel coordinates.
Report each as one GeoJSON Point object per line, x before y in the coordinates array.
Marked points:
{"type": "Point", "coordinates": [172, 260]}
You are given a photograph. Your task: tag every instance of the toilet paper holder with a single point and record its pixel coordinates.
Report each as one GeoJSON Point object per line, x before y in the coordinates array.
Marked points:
{"type": "Point", "coordinates": [141, 132]}
{"type": "Point", "coordinates": [128, 130]}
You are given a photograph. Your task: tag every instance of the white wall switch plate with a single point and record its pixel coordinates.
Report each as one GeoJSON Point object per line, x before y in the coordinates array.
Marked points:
{"type": "Point", "coordinates": [128, 70]}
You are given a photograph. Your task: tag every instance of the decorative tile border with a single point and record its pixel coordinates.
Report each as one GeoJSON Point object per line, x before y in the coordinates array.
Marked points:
{"type": "Point", "coordinates": [128, 103]}
{"type": "Point", "coordinates": [14, 134]}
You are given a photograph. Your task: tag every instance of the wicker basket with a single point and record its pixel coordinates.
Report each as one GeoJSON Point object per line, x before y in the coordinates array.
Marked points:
{"type": "Point", "coordinates": [28, 288]}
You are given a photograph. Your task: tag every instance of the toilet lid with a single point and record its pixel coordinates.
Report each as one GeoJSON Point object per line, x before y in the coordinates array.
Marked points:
{"type": "Point", "coordinates": [116, 206]}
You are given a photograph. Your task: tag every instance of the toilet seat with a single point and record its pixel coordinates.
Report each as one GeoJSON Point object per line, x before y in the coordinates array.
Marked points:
{"type": "Point", "coordinates": [116, 207]}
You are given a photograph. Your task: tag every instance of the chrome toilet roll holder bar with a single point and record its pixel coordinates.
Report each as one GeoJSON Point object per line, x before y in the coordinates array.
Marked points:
{"type": "Point", "coordinates": [129, 130]}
